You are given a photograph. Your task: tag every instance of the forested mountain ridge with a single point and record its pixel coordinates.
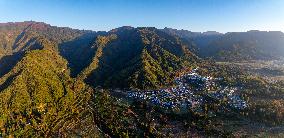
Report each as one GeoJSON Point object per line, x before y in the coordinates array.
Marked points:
{"type": "Point", "coordinates": [164, 53]}
{"type": "Point", "coordinates": [14, 36]}
{"type": "Point", "coordinates": [137, 58]}
{"type": "Point", "coordinates": [235, 46]}
{"type": "Point", "coordinates": [38, 97]}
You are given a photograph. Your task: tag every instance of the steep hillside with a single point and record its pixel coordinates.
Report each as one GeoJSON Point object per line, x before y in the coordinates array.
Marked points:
{"type": "Point", "coordinates": [8, 35]}
{"type": "Point", "coordinates": [136, 58]}
{"type": "Point", "coordinates": [16, 38]}
{"type": "Point", "coordinates": [38, 98]}
{"type": "Point", "coordinates": [9, 61]}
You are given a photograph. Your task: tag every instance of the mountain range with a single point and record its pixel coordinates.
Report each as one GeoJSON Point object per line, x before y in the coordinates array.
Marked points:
{"type": "Point", "coordinates": [101, 48]}
{"type": "Point", "coordinates": [234, 46]}
{"type": "Point", "coordinates": [48, 74]}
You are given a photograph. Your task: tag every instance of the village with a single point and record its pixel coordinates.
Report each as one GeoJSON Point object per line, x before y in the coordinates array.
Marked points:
{"type": "Point", "coordinates": [192, 92]}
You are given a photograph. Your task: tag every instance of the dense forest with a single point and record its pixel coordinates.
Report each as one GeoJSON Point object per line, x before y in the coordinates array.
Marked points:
{"type": "Point", "coordinates": [63, 82]}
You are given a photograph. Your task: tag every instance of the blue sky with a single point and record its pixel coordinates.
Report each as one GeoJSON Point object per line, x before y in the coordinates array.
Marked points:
{"type": "Point", "coordinates": [194, 15]}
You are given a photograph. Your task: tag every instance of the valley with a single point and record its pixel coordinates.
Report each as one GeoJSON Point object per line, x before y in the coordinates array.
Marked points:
{"type": "Point", "coordinates": [271, 70]}
{"type": "Point", "coordinates": [138, 82]}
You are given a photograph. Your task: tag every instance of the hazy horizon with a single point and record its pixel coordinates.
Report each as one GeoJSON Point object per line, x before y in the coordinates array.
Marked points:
{"type": "Point", "coordinates": [196, 16]}
{"type": "Point", "coordinates": [145, 26]}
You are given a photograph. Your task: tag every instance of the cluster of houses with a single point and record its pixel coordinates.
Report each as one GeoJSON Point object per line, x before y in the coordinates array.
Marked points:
{"type": "Point", "coordinates": [197, 82]}
{"type": "Point", "coordinates": [170, 98]}
{"type": "Point", "coordinates": [190, 93]}
{"type": "Point", "coordinates": [228, 94]}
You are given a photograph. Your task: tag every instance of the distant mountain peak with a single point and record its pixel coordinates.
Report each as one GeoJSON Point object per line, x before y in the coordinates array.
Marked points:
{"type": "Point", "coordinates": [212, 33]}
{"type": "Point", "coordinates": [121, 29]}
